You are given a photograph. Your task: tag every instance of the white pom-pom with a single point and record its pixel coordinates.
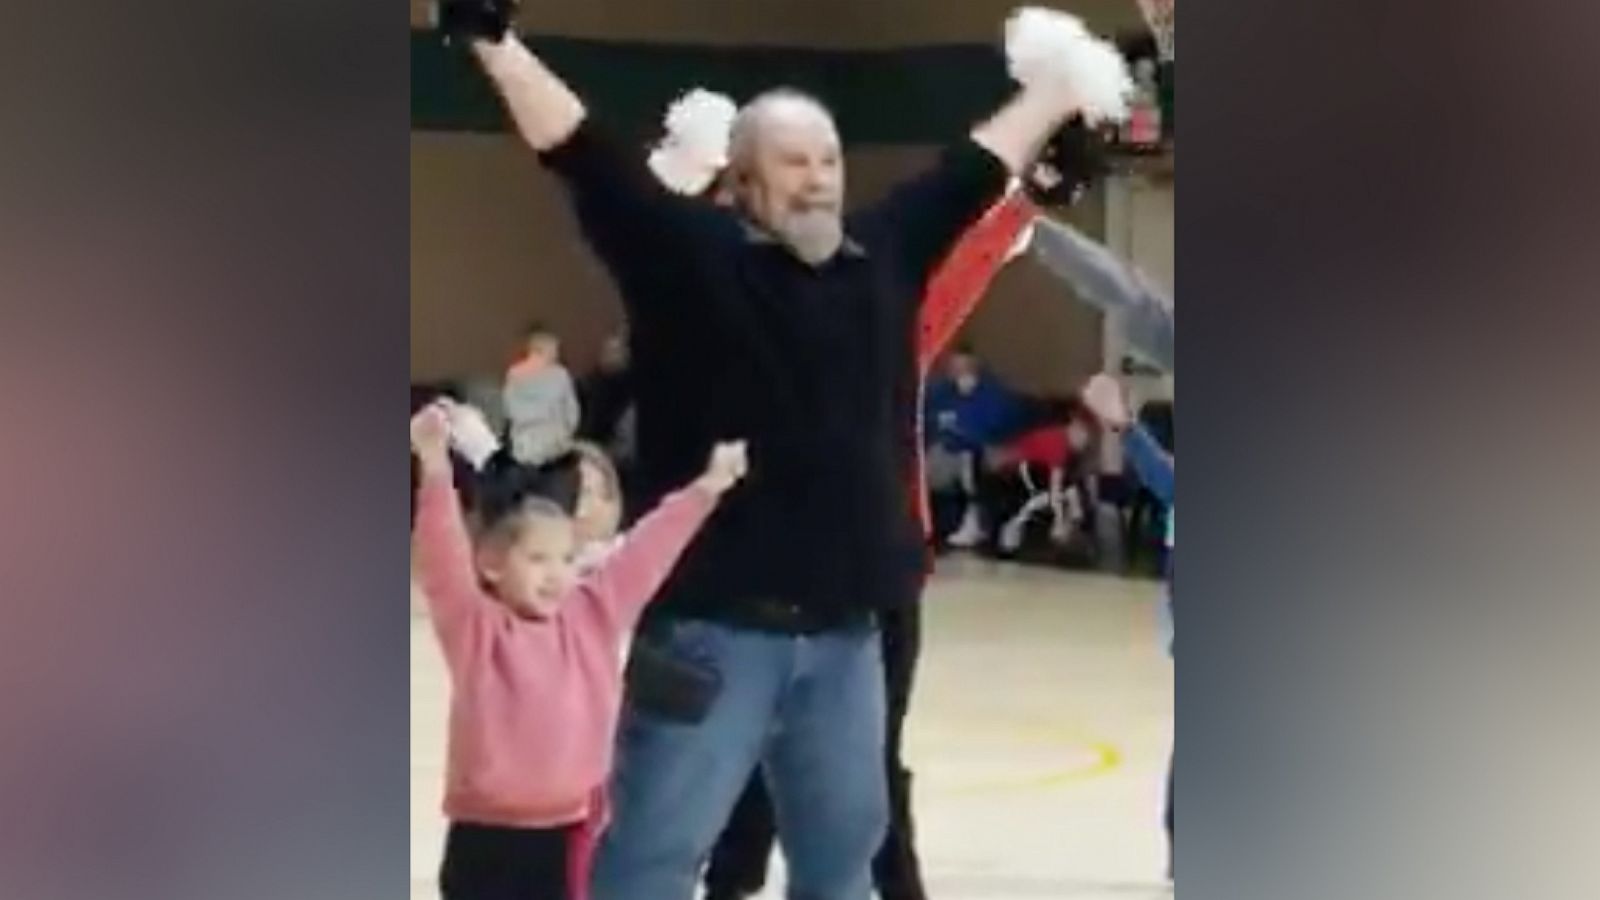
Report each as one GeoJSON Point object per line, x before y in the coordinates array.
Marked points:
{"type": "Point", "coordinates": [1046, 47]}
{"type": "Point", "coordinates": [702, 120]}
{"type": "Point", "coordinates": [470, 434]}
{"type": "Point", "coordinates": [1034, 35]}
{"type": "Point", "coordinates": [699, 126]}
{"type": "Point", "coordinates": [681, 173]}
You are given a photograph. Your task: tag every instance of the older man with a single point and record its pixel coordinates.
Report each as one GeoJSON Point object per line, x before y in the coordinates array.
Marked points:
{"type": "Point", "coordinates": [788, 324]}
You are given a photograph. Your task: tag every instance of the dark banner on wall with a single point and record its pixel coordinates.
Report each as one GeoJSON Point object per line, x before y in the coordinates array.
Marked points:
{"type": "Point", "coordinates": [914, 95]}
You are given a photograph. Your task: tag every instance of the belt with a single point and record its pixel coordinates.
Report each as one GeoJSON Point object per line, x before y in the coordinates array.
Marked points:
{"type": "Point", "coordinates": [785, 617]}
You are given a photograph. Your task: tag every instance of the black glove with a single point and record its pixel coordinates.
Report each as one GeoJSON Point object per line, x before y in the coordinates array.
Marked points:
{"type": "Point", "coordinates": [468, 20]}
{"type": "Point", "coordinates": [1071, 161]}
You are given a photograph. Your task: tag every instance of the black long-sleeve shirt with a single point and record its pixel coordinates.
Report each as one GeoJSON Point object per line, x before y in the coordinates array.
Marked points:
{"type": "Point", "coordinates": [736, 338]}
{"type": "Point", "coordinates": [603, 398]}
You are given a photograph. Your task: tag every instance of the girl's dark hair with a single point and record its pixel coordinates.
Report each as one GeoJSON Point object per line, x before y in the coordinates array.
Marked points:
{"type": "Point", "coordinates": [504, 484]}
{"type": "Point", "coordinates": [507, 527]}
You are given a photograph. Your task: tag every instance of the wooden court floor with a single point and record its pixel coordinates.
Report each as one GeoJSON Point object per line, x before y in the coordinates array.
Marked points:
{"type": "Point", "coordinates": [1039, 736]}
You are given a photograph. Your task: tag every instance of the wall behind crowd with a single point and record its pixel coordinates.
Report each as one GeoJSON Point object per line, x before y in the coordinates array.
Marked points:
{"type": "Point", "coordinates": [493, 245]}
{"type": "Point", "coordinates": [1140, 225]}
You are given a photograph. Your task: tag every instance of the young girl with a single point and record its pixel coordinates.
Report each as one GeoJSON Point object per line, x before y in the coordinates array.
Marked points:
{"type": "Point", "coordinates": [598, 512]}
{"type": "Point", "coordinates": [532, 648]}
{"type": "Point", "coordinates": [596, 520]}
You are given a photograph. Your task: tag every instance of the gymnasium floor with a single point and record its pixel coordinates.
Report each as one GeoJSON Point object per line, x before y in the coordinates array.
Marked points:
{"type": "Point", "coordinates": [1039, 736]}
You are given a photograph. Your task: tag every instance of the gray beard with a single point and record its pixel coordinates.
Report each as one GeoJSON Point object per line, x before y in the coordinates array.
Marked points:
{"type": "Point", "coordinates": [814, 236]}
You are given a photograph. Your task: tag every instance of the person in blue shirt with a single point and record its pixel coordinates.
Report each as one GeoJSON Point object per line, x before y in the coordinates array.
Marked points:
{"type": "Point", "coordinates": [966, 411]}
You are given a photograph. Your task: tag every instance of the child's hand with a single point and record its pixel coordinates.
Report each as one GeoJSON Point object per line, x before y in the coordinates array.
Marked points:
{"type": "Point", "coordinates": [1106, 399]}
{"type": "Point", "coordinates": [729, 462]}
{"type": "Point", "coordinates": [430, 438]}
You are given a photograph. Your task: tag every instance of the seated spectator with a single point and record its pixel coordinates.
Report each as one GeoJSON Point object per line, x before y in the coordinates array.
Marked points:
{"type": "Point", "coordinates": [1048, 468]}
{"type": "Point", "coordinates": [1043, 460]}
{"type": "Point", "coordinates": [967, 411]}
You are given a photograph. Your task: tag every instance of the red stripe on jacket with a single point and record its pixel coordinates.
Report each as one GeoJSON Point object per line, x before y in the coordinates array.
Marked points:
{"type": "Point", "coordinates": [952, 295]}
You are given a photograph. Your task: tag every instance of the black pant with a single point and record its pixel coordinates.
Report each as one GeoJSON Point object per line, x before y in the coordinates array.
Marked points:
{"type": "Point", "coordinates": [1171, 818]}
{"type": "Point", "coordinates": [738, 866]}
{"type": "Point", "coordinates": [896, 871]}
{"type": "Point", "coordinates": [489, 862]}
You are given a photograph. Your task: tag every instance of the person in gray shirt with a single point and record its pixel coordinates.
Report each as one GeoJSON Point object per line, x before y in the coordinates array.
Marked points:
{"type": "Point", "coordinates": [541, 402]}
{"type": "Point", "coordinates": [1111, 285]}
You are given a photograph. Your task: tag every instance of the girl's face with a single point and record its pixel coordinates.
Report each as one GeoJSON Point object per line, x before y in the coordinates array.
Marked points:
{"type": "Point", "coordinates": [534, 573]}
{"type": "Point", "coordinates": [599, 510]}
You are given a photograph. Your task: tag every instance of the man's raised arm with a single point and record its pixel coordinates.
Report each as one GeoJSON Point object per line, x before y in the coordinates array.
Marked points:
{"type": "Point", "coordinates": [929, 213]}
{"type": "Point", "coordinates": [544, 108]}
{"type": "Point", "coordinates": [1064, 69]}
{"type": "Point", "coordinates": [645, 235]}
{"type": "Point", "coordinates": [1019, 130]}
{"type": "Point", "coordinates": [1064, 72]}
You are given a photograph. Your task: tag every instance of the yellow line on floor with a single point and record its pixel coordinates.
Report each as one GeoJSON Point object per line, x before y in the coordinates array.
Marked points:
{"type": "Point", "coordinates": [1106, 759]}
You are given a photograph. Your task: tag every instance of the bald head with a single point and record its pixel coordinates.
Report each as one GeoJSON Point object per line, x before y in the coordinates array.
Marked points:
{"type": "Point", "coordinates": [782, 108]}
{"type": "Point", "coordinates": [788, 171]}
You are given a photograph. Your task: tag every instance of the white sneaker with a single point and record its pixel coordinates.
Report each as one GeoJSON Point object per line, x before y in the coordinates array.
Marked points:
{"type": "Point", "coordinates": [1061, 532]}
{"type": "Point", "coordinates": [970, 534]}
{"type": "Point", "coordinates": [1011, 536]}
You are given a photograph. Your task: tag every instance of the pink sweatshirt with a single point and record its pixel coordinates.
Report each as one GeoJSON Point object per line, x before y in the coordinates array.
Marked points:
{"type": "Point", "coordinates": [534, 703]}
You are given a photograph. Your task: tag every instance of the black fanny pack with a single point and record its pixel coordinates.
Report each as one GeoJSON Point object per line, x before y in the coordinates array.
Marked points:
{"type": "Point", "coordinates": [662, 683]}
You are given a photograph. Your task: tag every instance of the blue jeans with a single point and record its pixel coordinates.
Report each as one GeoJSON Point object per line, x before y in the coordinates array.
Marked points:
{"type": "Point", "coordinates": [809, 709]}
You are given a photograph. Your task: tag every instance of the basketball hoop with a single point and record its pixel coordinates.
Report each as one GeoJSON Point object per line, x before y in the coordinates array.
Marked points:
{"type": "Point", "coordinates": [1161, 16]}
